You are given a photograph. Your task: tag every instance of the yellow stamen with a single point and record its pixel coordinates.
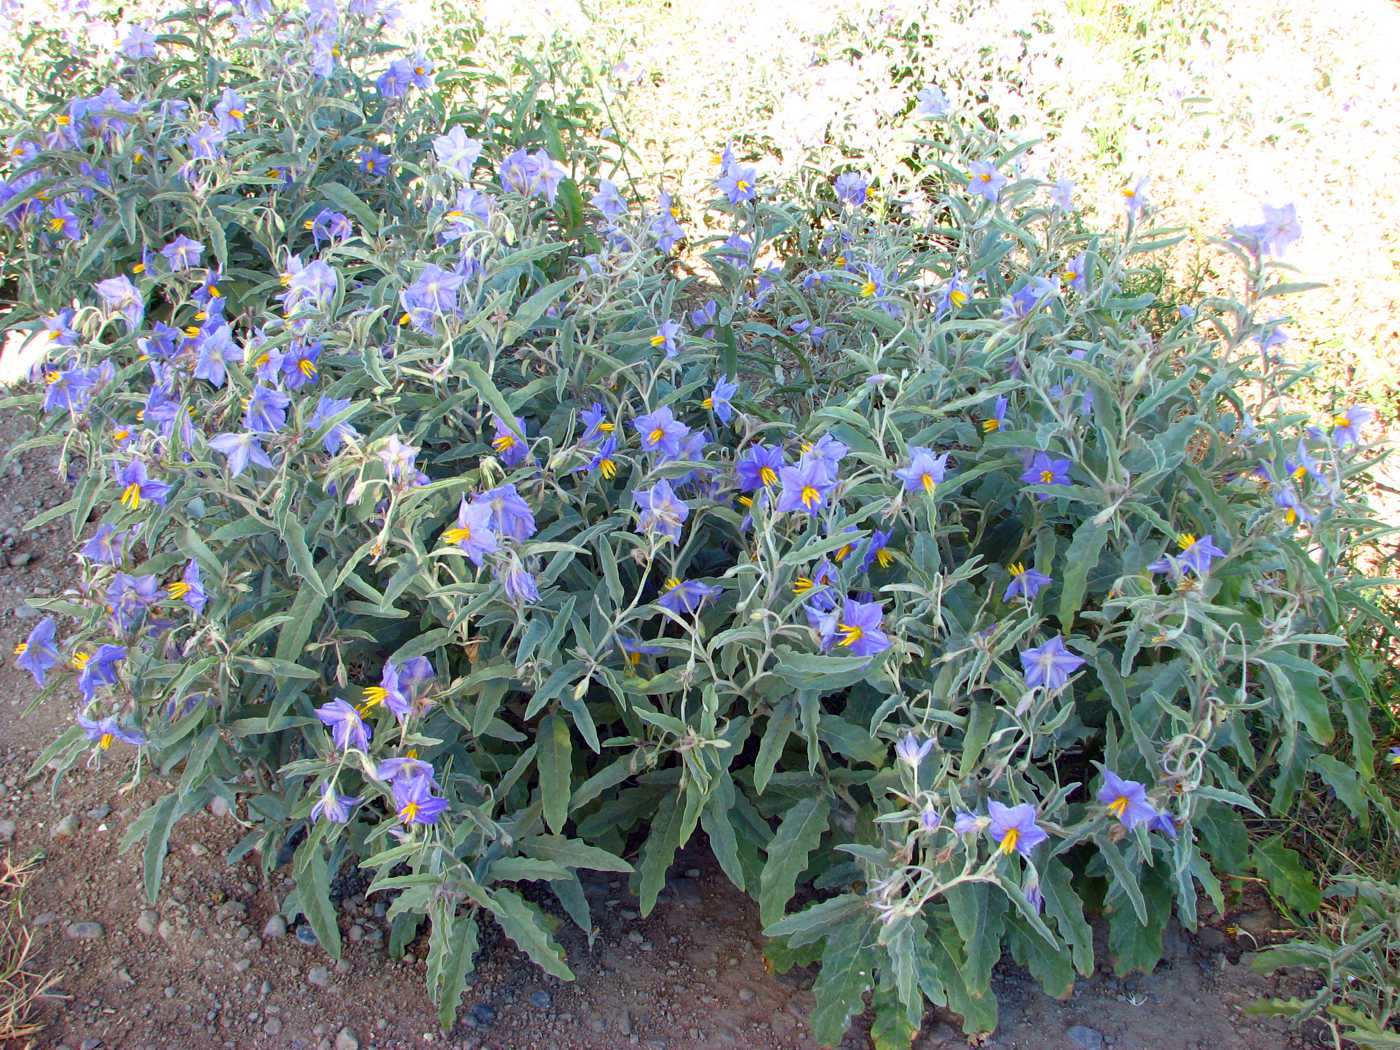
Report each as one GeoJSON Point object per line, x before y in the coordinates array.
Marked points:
{"type": "Point", "coordinates": [657, 340]}
{"type": "Point", "coordinates": [985, 176]}
{"type": "Point", "coordinates": [1341, 421]}
{"type": "Point", "coordinates": [236, 114]}
{"type": "Point", "coordinates": [504, 443]}
{"type": "Point", "coordinates": [138, 157]}
{"type": "Point", "coordinates": [52, 377]}
{"type": "Point", "coordinates": [884, 557]}
{"type": "Point", "coordinates": [708, 403]}
{"type": "Point", "coordinates": [605, 427]}
{"type": "Point", "coordinates": [192, 330]}
{"type": "Point", "coordinates": [1016, 568]}
{"type": "Point", "coordinates": [131, 496]}
{"type": "Point", "coordinates": [803, 584]}
{"type": "Point", "coordinates": [21, 648]}
{"type": "Point", "coordinates": [746, 501]}
{"type": "Point", "coordinates": [867, 289]}
{"type": "Point", "coordinates": [607, 468]}
{"type": "Point", "coordinates": [989, 425]}
{"type": "Point", "coordinates": [654, 438]}
{"type": "Point", "coordinates": [928, 483]}
{"type": "Point", "coordinates": [742, 185]}
{"type": "Point", "coordinates": [403, 320]}
{"type": "Point", "coordinates": [1186, 541]}
{"type": "Point", "coordinates": [850, 634]}
{"type": "Point", "coordinates": [56, 224]}
{"type": "Point", "coordinates": [262, 359]}
{"type": "Point", "coordinates": [1009, 840]}
{"type": "Point", "coordinates": [104, 741]}
{"type": "Point", "coordinates": [634, 658]}
{"type": "Point", "coordinates": [374, 696]}
{"type": "Point", "coordinates": [957, 297]}
{"type": "Point", "coordinates": [178, 589]}
{"type": "Point", "coordinates": [1070, 276]}
{"type": "Point", "coordinates": [1118, 805]}
{"type": "Point", "coordinates": [768, 476]}
{"type": "Point", "coordinates": [201, 315]}
{"type": "Point", "coordinates": [307, 367]}
{"type": "Point", "coordinates": [139, 268]}
{"type": "Point", "coordinates": [459, 534]}
{"type": "Point", "coordinates": [1290, 516]}
{"type": "Point", "coordinates": [1047, 477]}
{"type": "Point", "coordinates": [843, 552]}
{"type": "Point", "coordinates": [63, 120]}
{"type": "Point", "coordinates": [409, 811]}
{"type": "Point", "coordinates": [672, 583]}
{"type": "Point", "coordinates": [840, 260]}
{"type": "Point", "coordinates": [80, 659]}
{"type": "Point", "coordinates": [455, 213]}
{"type": "Point", "coordinates": [810, 497]}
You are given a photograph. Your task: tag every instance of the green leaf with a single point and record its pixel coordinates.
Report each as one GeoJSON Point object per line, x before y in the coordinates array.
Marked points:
{"type": "Point", "coordinates": [1283, 869]}
{"type": "Point", "coordinates": [453, 945]}
{"type": "Point", "coordinates": [979, 913]}
{"type": "Point", "coordinates": [1067, 909]}
{"type": "Point", "coordinates": [1347, 785]}
{"type": "Point", "coordinates": [555, 759]}
{"type": "Point", "coordinates": [782, 721]}
{"type": "Point", "coordinates": [892, 1028]}
{"type": "Point", "coordinates": [797, 836]}
{"type": "Point", "coordinates": [1080, 559]}
{"type": "Point", "coordinates": [573, 853]}
{"type": "Point", "coordinates": [344, 198]}
{"type": "Point", "coordinates": [522, 924]}
{"type": "Point", "coordinates": [157, 843]}
{"type": "Point", "coordinates": [533, 308]}
{"type": "Point", "coordinates": [847, 971]}
{"type": "Point", "coordinates": [486, 389]}
{"type": "Point", "coordinates": [659, 850]}
{"type": "Point", "coordinates": [1134, 945]}
{"type": "Point", "coordinates": [814, 923]}
{"type": "Point", "coordinates": [1123, 877]}
{"type": "Point", "coordinates": [313, 881]}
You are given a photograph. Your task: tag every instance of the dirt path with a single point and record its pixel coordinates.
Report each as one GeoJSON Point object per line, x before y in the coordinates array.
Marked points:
{"type": "Point", "coordinates": [207, 968]}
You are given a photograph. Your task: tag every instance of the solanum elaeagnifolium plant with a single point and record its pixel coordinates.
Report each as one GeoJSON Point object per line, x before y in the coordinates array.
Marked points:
{"type": "Point", "coordinates": [434, 515]}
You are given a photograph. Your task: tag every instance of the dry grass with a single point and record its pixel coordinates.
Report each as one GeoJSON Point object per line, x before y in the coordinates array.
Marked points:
{"type": "Point", "coordinates": [21, 986]}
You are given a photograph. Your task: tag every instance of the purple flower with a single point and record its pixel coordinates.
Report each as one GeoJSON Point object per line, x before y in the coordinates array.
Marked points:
{"type": "Point", "coordinates": [472, 534]}
{"type": "Point", "coordinates": [1075, 270]}
{"type": "Point", "coordinates": [373, 162]}
{"type": "Point", "coordinates": [510, 514]}
{"type": "Point", "coordinates": [759, 467]}
{"type": "Point", "coordinates": [531, 175]}
{"type": "Point", "coordinates": [105, 546]}
{"type": "Point", "coordinates": [852, 188]}
{"type": "Point", "coordinates": [240, 449]}
{"type": "Point", "coordinates": [103, 732]}
{"type": "Point", "coordinates": [1273, 236]}
{"type": "Point", "coordinates": [1034, 897]}
{"type": "Point", "coordinates": [405, 768]}
{"type": "Point", "coordinates": [399, 459]}
{"type": "Point", "coordinates": [609, 201]}
{"type": "Point", "coordinates": [1014, 828]}
{"type": "Point", "coordinates": [512, 449]}
{"type": "Point", "coordinates": [910, 750]}
{"type": "Point", "coordinates": [997, 420]}
{"type": "Point", "coordinates": [391, 692]}
{"type": "Point", "coordinates": [129, 597]}
{"type": "Point", "coordinates": [664, 227]}
{"type": "Point", "coordinates": [1035, 293]}
{"type": "Point", "coordinates": [686, 596]}
{"type": "Point", "coordinates": [139, 43]}
{"type": "Point", "coordinates": [457, 153]}
{"type": "Point", "coordinates": [326, 409]}
{"type": "Point", "coordinates": [38, 654]}
{"type": "Point", "coordinates": [1049, 665]}
{"type": "Point", "coordinates": [662, 511]}
{"type": "Point", "coordinates": [930, 819]}
{"type": "Point", "coordinates": [347, 728]}
{"type": "Point", "coordinates": [806, 486]}
{"type": "Point", "coordinates": [189, 588]}
{"type": "Point", "coordinates": [137, 486]}
{"type": "Point", "coordinates": [858, 629]}
{"type": "Point", "coordinates": [1135, 198]}
{"type": "Point", "coordinates": [182, 253]}
{"type": "Point", "coordinates": [299, 368]}
{"type": "Point", "coordinates": [333, 806]}
{"type": "Point", "coordinates": [954, 295]}
{"type": "Point", "coordinates": [415, 803]}
{"type": "Point", "coordinates": [1163, 823]}
{"type": "Point", "coordinates": [312, 285]}
{"type": "Point", "coordinates": [330, 226]}
{"type": "Point", "coordinates": [660, 431]}
{"type": "Point", "coordinates": [231, 111]}
{"type": "Point", "coordinates": [204, 144]}
{"type": "Point", "coordinates": [737, 183]}
{"type": "Point", "coordinates": [828, 453]}
{"type": "Point", "coordinates": [876, 550]}
{"type": "Point", "coordinates": [70, 388]}
{"type": "Point", "coordinates": [596, 418]}
{"type": "Point", "coordinates": [933, 104]}
{"type": "Point", "coordinates": [518, 584]}
{"type": "Point", "coordinates": [925, 469]}
{"type": "Point", "coordinates": [63, 221]}
{"type": "Point", "coordinates": [266, 412]}
{"type": "Point", "coordinates": [1195, 556]}
{"type": "Point", "coordinates": [1062, 195]}
{"type": "Point", "coordinates": [668, 336]}
{"type": "Point", "coordinates": [1026, 583]}
{"type": "Point", "coordinates": [602, 460]}
{"type": "Point", "coordinates": [1045, 470]}
{"type": "Point", "coordinates": [965, 823]}
{"type": "Point", "coordinates": [719, 400]}
{"type": "Point", "coordinates": [1125, 799]}
{"type": "Point", "coordinates": [120, 295]}
{"type": "Point", "coordinates": [215, 350]}
{"type": "Point", "coordinates": [985, 181]}
{"type": "Point", "coordinates": [98, 669]}
{"type": "Point", "coordinates": [1346, 426]}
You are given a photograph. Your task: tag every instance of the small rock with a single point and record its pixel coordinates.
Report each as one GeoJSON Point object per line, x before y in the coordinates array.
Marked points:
{"type": "Point", "coordinates": [147, 921]}
{"type": "Point", "coordinates": [242, 965]}
{"type": "Point", "coordinates": [125, 977]}
{"type": "Point", "coordinates": [165, 930]}
{"type": "Point", "coordinates": [7, 830]}
{"type": "Point", "coordinates": [272, 1026]}
{"type": "Point", "coordinates": [218, 807]}
{"type": "Point", "coordinates": [481, 1015]}
{"type": "Point", "coordinates": [1084, 1036]}
{"type": "Point", "coordinates": [692, 873]}
{"type": "Point", "coordinates": [44, 918]}
{"type": "Point", "coordinates": [346, 1039]}
{"type": "Point", "coordinates": [319, 976]}
{"type": "Point", "coordinates": [624, 1023]}
{"type": "Point", "coordinates": [356, 932]}
{"type": "Point", "coordinates": [90, 1044]}
{"type": "Point", "coordinates": [1210, 939]}
{"type": "Point", "coordinates": [746, 995]}
{"type": "Point", "coordinates": [541, 999]}
{"type": "Point", "coordinates": [275, 927]}
{"type": "Point", "coordinates": [199, 849]}
{"type": "Point", "coordinates": [99, 812]}
{"type": "Point", "coordinates": [84, 931]}
{"type": "Point", "coordinates": [306, 935]}
{"type": "Point", "coordinates": [65, 828]}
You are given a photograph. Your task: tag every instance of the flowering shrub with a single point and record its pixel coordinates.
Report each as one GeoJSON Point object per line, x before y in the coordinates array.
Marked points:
{"type": "Point", "coordinates": [431, 512]}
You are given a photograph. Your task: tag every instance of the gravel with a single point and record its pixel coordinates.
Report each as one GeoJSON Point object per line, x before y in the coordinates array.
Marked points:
{"type": "Point", "coordinates": [84, 931]}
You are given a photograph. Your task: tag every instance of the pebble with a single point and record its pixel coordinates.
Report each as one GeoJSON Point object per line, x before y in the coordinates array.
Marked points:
{"type": "Point", "coordinates": [1084, 1036]}
{"type": "Point", "coordinates": [356, 932]}
{"type": "Point", "coordinates": [44, 918]}
{"type": "Point", "coordinates": [275, 927]}
{"type": "Point", "coordinates": [319, 976]}
{"type": "Point", "coordinates": [306, 935]}
{"type": "Point", "coordinates": [482, 1015]}
{"type": "Point", "coordinates": [65, 828]}
{"type": "Point", "coordinates": [218, 806]}
{"type": "Point", "coordinates": [273, 1026]}
{"type": "Point", "coordinates": [541, 999]}
{"type": "Point", "coordinates": [746, 995]}
{"type": "Point", "coordinates": [147, 921]}
{"type": "Point", "coordinates": [84, 931]}
{"type": "Point", "coordinates": [243, 965]}
{"type": "Point", "coordinates": [7, 830]}
{"type": "Point", "coordinates": [165, 931]}
{"type": "Point", "coordinates": [692, 873]}
{"type": "Point", "coordinates": [346, 1039]}
{"type": "Point", "coordinates": [99, 812]}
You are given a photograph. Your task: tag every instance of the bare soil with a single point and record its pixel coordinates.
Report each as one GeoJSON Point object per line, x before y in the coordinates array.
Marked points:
{"type": "Point", "coordinates": [196, 970]}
